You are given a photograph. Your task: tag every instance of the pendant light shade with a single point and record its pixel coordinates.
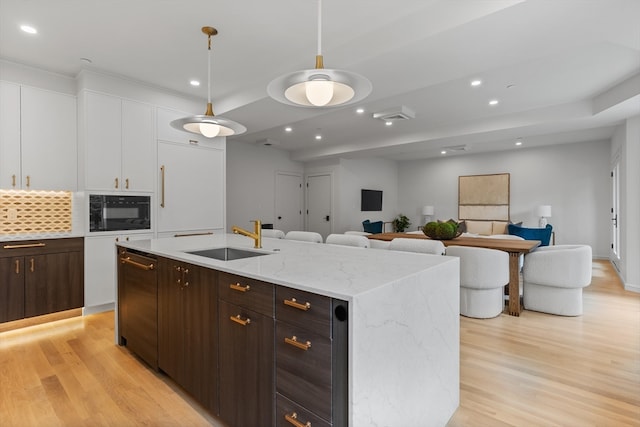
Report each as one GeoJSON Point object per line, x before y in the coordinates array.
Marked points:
{"type": "Point", "coordinates": [319, 87]}
{"type": "Point", "coordinates": [207, 124]}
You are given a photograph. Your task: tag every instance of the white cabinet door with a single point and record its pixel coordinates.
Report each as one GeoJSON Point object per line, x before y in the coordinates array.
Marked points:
{"type": "Point", "coordinates": [103, 141]}
{"type": "Point", "coordinates": [100, 269]}
{"type": "Point", "coordinates": [167, 133]}
{"type": "Point", "coordinates": [10, 136]}
{"type": "Point", "coordinates": [49, 143]}
{"type": "Point", "coordinates": [191, 193]}
{"type": "Point", "coordinates": [119, 144]}
{"type": "Point", "coordinates": [138, 146]}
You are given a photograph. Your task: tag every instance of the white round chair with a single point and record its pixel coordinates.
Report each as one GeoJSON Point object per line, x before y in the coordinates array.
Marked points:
{"type": "Point", "coordinates": [425, 246]}
{"type": "Point", "coordinates": [379, 244]}
{"type": "Point", "coordinates": [357, 233]}
{"type": "Point", "coordinates": [554, 277]}
{"type": "Point", "coordinates": [276, 234]}
{"type": "Point", "coordinates": [347, 240]}
{"type": "Point", "coordinates": [304, 236]}
{"type": "Point", "coordinates": [483, 275]}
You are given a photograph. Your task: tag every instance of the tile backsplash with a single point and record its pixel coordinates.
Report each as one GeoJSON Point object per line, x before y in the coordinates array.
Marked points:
{"type": "Point", "coordinates": [35, 212]}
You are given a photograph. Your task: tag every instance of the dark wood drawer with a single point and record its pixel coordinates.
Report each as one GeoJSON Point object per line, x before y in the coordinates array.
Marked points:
{"type": "Point", "coordinates": [303, 368]}
{"type": "Point", "coordinates": [285, 408]}
{"type": "Point", "coordinates": [310, 311]}
{"type": "Point", "coordinates": [248, 293]}
{"type": "Point", "coordinates": [38, 247]}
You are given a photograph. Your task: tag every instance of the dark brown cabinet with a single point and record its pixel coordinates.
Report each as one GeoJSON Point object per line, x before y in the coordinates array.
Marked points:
{"type": "Point", "coordinates": [50, 273]}
{"type": "Point", "coordinates": [187, 328]}
{"type": "Point", "coordinates": [246, 351]}
{"type": "Point", "coordinates": [311, 359]}
{"type": "Point", "coordinates": [138, 304]}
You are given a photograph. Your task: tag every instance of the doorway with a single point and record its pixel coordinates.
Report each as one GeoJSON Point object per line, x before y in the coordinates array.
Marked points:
{"type": "Point", "coordinates": [319, 193]}
{"type": "Point", "coordinates": [288, 202]}
{"type": "Point", "coordinates": [615, 211]}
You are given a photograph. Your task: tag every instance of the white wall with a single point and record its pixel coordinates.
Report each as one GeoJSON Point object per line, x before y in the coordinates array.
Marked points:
{"type": "Point", "coordinates": [251, 176]}
{"type": "Point", "coordinates": [573, 178]}
{"type": "Point", "coordinates": [626, 144]}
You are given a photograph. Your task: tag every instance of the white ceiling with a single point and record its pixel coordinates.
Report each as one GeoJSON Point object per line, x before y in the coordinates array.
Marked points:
{"type": "Point", "coordinates": [563, 70]}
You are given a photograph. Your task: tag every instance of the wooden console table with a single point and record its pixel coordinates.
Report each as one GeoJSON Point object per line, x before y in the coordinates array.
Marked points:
{"type": "Point", "coordinates": [514, 248]}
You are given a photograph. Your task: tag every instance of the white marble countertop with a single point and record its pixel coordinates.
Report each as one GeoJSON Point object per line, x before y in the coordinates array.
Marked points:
{"type": "Point", "coordinates": [342, 272]}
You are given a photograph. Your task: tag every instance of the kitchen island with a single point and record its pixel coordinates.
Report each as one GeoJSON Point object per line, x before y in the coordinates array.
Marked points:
{"type": "Point", "coordinates": [401, 312]}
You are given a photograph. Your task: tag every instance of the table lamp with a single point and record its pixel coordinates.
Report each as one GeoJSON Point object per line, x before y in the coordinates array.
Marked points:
{"type": "Point", "coordinates": [427, 211]}
{"type": "Point", "coordinates": [544, 212]}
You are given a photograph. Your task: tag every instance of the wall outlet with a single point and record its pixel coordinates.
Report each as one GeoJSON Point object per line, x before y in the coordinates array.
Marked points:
{"type": "Point", "coordinates": [12, 214]}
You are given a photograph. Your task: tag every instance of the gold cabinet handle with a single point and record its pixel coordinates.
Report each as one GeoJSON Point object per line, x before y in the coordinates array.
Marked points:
{"type": "Point", "coordinates": [26, 245]}
{"type": "Point", "coordinates": [13, 180]}
{"type": "Point", "coordinates": [238, 287]}
{"type": "Point", "coordinates": [126, 183]}
{"type": "Point", "coordinates": [295, 304]}
{"type": "Point", "coordinates": [117, 182]}
{"type": "Point", "coordinates": [17, 266]}
{"type": "Point", "coordinates": [32, 265]}
{"type": "Point", "coordinates": [128, 260]}
{"type": "Point", "coordinates": [293, 419]}
{"type": "Point", "coordinates": [162, 186]}
{"type": "Point", "coordinates": [28, 181]}
{"type": "Point", "coordinates": [294, 342]}
{"type": "Point", "coordinates": [239, 320]}
{"type": "Point", "coordinates": [207, 233]}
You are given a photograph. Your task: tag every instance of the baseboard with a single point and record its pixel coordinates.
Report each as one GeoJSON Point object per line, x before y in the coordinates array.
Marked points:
{"type": "Point", "coordinates": [110, 306]}
{"type": "Point", "coordinates": [632, 287]}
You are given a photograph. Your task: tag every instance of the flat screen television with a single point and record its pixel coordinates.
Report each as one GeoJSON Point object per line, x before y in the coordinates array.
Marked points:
{"type": "Point", "coordinates": [371, 200]}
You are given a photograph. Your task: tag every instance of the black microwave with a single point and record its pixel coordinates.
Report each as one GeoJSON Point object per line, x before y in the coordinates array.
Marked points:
{"type": "Point", "coordinates": [119, 212]}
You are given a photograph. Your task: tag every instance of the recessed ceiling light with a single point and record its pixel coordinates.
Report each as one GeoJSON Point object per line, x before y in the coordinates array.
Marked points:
{"type": "Point", "coordinates": [194, 83]}
{"type": "Point", "coordinates": [288, 129]}
{"type": "Point", "coordinates": [86, 60]}
{"type": "Point", "coordinates": [518, 141]}
{"type": "Point", "coordinates": [493, 102]}
{"type": "Point", "coordinates": [476, 82]}
{"type": "Point", "coordinates": [318, 137]}
{"type": "Point", "coordinates": [443, 152]}
{"type": "Point", "coordinates": [28, 29]}
{"type": "Point", "coordinates": [360, 110]}
{"type": "Point", "coordinates": [388, 123]}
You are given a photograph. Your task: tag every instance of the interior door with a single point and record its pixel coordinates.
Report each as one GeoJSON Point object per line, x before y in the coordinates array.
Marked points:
{"type": "Point", "coordinates": [615, 209]}
{"type": "Point", "coordinates": [288, 202]}
{"type": "Point", "coordinates": [319, 204]}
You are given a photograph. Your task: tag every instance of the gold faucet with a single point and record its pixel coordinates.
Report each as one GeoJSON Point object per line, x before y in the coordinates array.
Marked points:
{"type": "Point", "coordinates": [256, 235]}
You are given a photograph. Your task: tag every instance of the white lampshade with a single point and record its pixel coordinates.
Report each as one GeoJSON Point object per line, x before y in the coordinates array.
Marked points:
{"type": "Point", "coordinates": [543, 211]}
{"type": "Point", "coordinates": [427, 210]}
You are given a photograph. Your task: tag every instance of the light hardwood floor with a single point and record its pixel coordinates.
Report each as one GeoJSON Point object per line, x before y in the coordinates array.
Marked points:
{"type": "Point", "coordinates": [532, 370]}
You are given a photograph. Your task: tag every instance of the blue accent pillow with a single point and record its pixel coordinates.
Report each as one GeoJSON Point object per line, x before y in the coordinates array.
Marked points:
{"type": "Point", "coordinates": [542, 234]}
{"type": "Point", "coordinates": [372, 227]}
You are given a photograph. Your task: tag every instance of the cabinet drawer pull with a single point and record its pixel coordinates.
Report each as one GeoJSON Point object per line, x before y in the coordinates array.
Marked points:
{"type": "Point", "coordinates": [294, 342]}
{"type": "Point", "coordinates": [32, 265]}
{"type": "Point", "coordinates": [240, 320]}
{"type": "Point", "coordinates": [17, 266]}
{"type": "Point", "coordinates": [28, 181]}
{"type": "Point", "coordinates": [126, 183]}
{"type": "Point", "coordinates": [26, 245]}
{"type": "Point", "coordinates": [162, 186]}
{"type": "Point", "coordinates": [117, 183]}
{"type": "Point", "coordinates": [238, 287]}
{"type": "Point", "coordinates": [128, 260]}
{"type": "Point", "coordinates": [13, 180]}
{"type": "Point", "coordinates": [295, 304]}
{"type": "Point", "coordinates": [293, 419]}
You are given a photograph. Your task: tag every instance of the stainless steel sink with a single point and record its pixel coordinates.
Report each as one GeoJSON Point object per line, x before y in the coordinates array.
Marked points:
{"type": "Point", "coordinates": [227, 254]}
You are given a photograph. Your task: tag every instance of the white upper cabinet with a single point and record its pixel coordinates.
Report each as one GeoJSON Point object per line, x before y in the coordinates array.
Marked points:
{"type": "Point", "coordinates": [38, 143]}
{"type": "Point", "coordinates": [120, 144]}
{"type": "Point", "coordinates": [167, 133]}
{"type": "Point", "coordinates": [10, 174]}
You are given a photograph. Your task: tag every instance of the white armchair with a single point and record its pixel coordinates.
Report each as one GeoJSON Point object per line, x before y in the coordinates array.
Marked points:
{"type": "Point", "coordinates": [435, 247]}
{"type": "Point", "coordinates": [276, 234]}
{"type": "Point", "coordinates": [304, 236]}
{"type": "Point", "coordinates": [347, 240]}
{"type": "Point", "coordinates": [554, 277]}
{"type": "Point", "coordinates": [483, 275]}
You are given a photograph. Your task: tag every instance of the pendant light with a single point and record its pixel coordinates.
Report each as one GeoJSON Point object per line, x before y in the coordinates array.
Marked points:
{"type": "Point", "coordinates": [319, 87]}
{"type": "Point", "coordinates": [208, 124]}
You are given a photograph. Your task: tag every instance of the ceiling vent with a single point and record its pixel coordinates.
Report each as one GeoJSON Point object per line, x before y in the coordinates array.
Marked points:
{"type": "Point", "coordinates": [268, 142]}
{"type": "Point", "coordinates": [457, 148]}
{"type": "Point", "coordinates": [395, 114]}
